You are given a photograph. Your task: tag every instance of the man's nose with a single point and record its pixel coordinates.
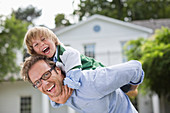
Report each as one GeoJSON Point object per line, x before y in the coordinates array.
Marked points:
{"type": "Point", "coordinates": [44, 82]}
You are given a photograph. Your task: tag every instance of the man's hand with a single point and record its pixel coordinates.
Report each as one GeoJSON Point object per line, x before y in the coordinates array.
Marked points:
{"type": "Point", "coordinates": [133, 87]}
{"type": "Point", "coordinates": [133, 91]}
{"type": "Point", "coordinates": [63, 97]}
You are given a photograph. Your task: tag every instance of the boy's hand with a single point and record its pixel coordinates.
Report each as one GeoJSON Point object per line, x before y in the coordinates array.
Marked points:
{"type": "Point", "coordinates": [63, 97]}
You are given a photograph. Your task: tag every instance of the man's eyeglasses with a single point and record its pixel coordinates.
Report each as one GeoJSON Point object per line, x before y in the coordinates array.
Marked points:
{"type": "Point", "coordinates": [45, 76]}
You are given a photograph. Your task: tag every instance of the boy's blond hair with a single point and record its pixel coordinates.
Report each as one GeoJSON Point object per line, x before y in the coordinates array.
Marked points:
{"type": "Point", "coordinates": [36, 33]}
{"type": "Point", "coordinates": [29, 62]}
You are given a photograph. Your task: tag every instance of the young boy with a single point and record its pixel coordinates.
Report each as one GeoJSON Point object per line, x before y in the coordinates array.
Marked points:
{"type": "Point", "coordinates": [42, 41]}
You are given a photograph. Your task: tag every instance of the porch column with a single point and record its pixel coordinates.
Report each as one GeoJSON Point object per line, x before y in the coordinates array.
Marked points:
{"type": "Point", "coordinates": [155, 103]}
{"type": "Point", "coordinates": [70, 110]}
{"type": "Point", "coordinates": [45, 104]}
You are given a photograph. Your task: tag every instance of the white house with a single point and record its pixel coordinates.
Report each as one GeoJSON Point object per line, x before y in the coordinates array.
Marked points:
{"type": "Point", "coordinates": [100, 37]}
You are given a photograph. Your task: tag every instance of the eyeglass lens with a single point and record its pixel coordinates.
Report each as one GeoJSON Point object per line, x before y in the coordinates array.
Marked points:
{"type": "Point", "coordinates": [45, 76]}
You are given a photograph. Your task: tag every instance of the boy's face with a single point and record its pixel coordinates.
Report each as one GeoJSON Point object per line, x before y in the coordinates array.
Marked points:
{"type": "Point", "coordinates": [44, 46]}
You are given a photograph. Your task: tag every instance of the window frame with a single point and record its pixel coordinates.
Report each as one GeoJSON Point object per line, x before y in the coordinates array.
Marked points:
{"type": "Point", "coordinates": [89, 50]}
{"type": "Point", "coordinates": [25, 104]}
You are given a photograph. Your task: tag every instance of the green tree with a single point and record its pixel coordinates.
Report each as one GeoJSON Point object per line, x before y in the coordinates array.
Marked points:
{"type": "Point", "coordinates": [146, 9]}
{"type": "Point", "coordinates": [12, 32]}
{"type": "Point", "coordinates": [110, 8]}
{"type": "Point", "coordinates": [124, 9]}
{"type": "Point", "coordinates": [60, 20]}
{"type": "Point", "coordinates": [133, 49]}
{"type": "Point", "coordinates": [154, 54]}
{"type": "Point", "coordinates": [27, 14]}
{"type": "Point", "coordinates": [156, 62]}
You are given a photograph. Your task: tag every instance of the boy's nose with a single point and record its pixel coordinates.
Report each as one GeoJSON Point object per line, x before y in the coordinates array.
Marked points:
{"type": "Point", "coordinates": [41, 43]}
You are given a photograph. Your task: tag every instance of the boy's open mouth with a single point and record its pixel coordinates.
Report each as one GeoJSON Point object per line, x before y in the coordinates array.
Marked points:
{"type": "Point", "coordinates": [46, 50]}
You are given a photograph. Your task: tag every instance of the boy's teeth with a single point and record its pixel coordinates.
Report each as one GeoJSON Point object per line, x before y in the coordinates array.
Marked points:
{"type": "Point", "coordinates": [50, 87]}
{"type": "Point", "coordinates": [44, 49]}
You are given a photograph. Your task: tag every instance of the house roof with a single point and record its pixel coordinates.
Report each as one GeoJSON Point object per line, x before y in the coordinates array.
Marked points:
{"type": "Point", "coordinates": [153, 23]}
{"type": "Point", "coordinates": [107, 19]}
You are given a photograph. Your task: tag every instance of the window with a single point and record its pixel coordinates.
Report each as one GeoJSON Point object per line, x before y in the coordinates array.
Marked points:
{"type": "Point", "coordinates": [25, 103]}
{"type": "Point", "coordinates": [90, 50]}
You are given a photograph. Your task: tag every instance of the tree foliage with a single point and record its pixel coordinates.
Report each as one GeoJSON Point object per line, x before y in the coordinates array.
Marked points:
{"type": "Point", "coordinates": [110, 8]}
{"type": "Point", "coordinates": [27, 14]}
{"type": "Point", "coordinates": [124, 9]}
{"type": "Point", "coordinates": [60, 20]}
{"type": "Point", "coordinates": [154, 54]}
{"type": "Point", "coordinates": [147, 9]}
{"type": "Point", "coordinates": [12, 32]}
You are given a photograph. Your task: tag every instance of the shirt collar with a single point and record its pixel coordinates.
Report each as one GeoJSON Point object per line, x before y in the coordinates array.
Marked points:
{"type": "Point", "coordinates": [56, 54]}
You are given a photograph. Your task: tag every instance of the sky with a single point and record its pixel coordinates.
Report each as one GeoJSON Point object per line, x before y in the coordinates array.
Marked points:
{"type": "Point", "coordinates": [50, 8]}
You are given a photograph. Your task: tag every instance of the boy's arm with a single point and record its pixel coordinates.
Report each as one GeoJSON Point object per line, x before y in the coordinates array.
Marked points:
{"type": "Point", "coordinates": [70, 59]}
{"type": "Point", "coordinates": [66, 58]}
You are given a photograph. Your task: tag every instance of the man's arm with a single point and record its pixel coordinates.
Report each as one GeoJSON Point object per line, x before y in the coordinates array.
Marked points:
{"type": "Point", "coordinates": [134, 92]}
{"type": "Point", "coordinates": [108, 79]}
{"type": "Point", "coordinates": [133, 87]}
{"type": "Point", "coordinates": [128, 87]}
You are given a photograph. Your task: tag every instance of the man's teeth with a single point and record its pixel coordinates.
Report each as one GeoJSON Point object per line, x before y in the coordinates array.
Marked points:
{"type": "Point", "coordinates": [50, 87]}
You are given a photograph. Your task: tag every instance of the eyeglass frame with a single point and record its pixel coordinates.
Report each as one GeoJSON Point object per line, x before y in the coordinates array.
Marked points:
{"type": "Point", "coordinates": [50, 70]}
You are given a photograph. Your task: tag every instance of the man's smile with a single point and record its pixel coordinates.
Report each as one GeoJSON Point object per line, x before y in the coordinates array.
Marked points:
{"type": "Point", "coordinates": [49, 89]}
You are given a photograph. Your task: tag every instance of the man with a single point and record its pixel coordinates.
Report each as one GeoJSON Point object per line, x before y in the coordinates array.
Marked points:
{"type": "Point", "coordinates": [100, 89]}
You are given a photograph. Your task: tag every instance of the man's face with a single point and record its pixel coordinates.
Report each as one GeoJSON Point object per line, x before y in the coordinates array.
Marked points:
{"type": "Point", "coordinates": [52, 86]}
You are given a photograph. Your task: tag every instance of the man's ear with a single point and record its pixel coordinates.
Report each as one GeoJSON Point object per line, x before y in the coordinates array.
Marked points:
{"type": "Point", "coordinates": [59, 73]}
{"type": "Point", "coordinates": [57, 69]}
